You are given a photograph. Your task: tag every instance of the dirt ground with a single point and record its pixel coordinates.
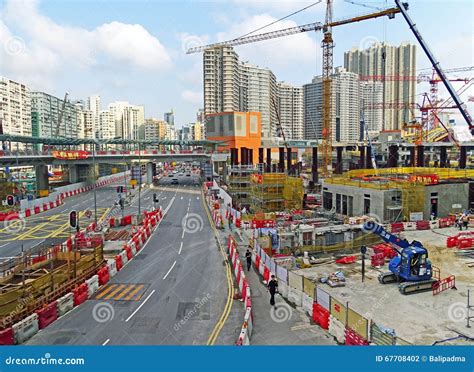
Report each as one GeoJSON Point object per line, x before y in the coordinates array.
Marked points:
{"type": "Point", "coordinates": [418, 318]}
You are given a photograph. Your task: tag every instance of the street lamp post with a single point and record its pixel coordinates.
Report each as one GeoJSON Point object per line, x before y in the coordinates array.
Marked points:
{"type": "Point", "coordinates": [95, 183]}
{"type": "Point", "coordinates": [139, 179]}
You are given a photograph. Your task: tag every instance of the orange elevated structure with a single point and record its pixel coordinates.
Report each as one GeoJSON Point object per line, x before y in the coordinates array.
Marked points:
{"type": "Point", "coordinates": [237, 129]}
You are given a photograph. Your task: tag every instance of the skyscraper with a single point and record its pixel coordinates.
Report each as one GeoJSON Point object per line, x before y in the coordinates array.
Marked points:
{"type": "Point", "coordinates": [94, 105]}
{"type": "Point", "coordinates": [15, 108]}
{"type": "Point", "coordinates": [290, 105]}
{"type": "Point", "coordinates": [169, 117]}
{"type": "Point", "coordinates": [395, 67]}
{"type": "Point", "coordinates": [345, 107]}
{"type": "Point", "coordinates": [231, 85]}
{"type": "Point", "coordinates": [128, 119]}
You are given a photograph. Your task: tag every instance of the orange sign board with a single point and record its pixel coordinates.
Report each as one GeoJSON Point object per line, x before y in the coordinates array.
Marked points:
{"type": "Point", "coordinates": [70, 155]}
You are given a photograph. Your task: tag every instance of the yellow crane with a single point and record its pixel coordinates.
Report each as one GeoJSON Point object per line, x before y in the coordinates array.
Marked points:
{"type": "Point", "coordinates": [327, 49]}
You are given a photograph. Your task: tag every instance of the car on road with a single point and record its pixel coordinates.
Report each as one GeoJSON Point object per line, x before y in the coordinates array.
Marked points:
{"type": "Point", "coordinates": [188, 174]}
{"type": "Point", "coordinates": [174, 181]}
{"type": "Point", "coordinates": [170, 175]}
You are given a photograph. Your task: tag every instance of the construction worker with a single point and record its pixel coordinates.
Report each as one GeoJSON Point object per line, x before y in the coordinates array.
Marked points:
{"type": "Point", "coordinates": [272, 288]}
{"type": "Point", "coordinates": [248, 256]}
{"type": "Point", "coordinates": [465, 221]}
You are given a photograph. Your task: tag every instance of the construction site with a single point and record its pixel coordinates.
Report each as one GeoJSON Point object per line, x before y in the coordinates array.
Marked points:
{"type": "Point", "coordinates": [358, 233]}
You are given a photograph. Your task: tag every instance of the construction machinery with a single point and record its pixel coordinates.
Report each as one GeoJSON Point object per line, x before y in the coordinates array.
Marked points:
{"type": "Point", "coordinates": [327, 49]}
{"type": "Point", "coordinates": [411, 268]}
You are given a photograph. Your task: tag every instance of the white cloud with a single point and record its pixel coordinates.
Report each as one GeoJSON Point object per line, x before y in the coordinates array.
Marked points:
{"type": "Point", "coordinates": [49, 48]}
{"type": "Point", "coordinates": [280, 52]}
{"type": "Point", "coordinates": [192, 97]}
{"type": "Point", "coordinates": [279, 5]}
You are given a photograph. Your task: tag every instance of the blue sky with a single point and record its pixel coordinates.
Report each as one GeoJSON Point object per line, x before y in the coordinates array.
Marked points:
{"type": "Point", "coordinates": [134, 50]}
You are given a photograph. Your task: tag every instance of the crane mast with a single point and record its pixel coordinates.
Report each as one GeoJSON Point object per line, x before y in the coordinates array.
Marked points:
{"type": "Point", "coordinates": [326, 134]}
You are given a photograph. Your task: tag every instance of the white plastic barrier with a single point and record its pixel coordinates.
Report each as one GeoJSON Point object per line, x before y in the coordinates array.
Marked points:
{"type": "Point", "coordinates": [295, 296]}
{"type": "Point", "coordinates": [241, 281]}
{"type": "Point", "coordinates": [112, 265]}
{"type": "Point", "coordinates": [434, 224]}
{"type": "Point", "coordinates": [132, 248]}
{"type": "Point", "coordinates": [409, 226]}
{"type": "Point", "coordinates": [123, 254]}
{"type": "Point", "coordinates": [261, 268]}
{"type": "Point", "coordinates": [322, 298]}
{"type": "Point", "coordinates": [243, 338]}
{"type": "Point", "coordinates": [65, 304]}
{"type": "Point", "coordinates": [283, 289]}
{"type": "Point", "coordinates": [92, 285]}
{"type": "Point", "coordinates": [25, 329]}
{"type": "Point", "coordinates": [307, 304]}
{"type": "Point", "coordinates": [248, 321]}
{"type": "Point", "coordinates": [337, 329]}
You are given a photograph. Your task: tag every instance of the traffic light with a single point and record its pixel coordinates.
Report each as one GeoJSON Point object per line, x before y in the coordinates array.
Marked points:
{"type": "Point", "coordinates": [73, 219]}
{"type": "Point", "coordinates": [10, 200]}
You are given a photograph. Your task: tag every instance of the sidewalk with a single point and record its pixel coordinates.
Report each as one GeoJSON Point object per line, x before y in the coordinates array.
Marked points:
{"type": "Point", "coordinates": [283, 325]}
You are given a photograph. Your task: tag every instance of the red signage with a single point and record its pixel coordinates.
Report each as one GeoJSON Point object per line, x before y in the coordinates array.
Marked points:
{"type": "Point", "coordinates": [426, 179]}
{"type": "Point", "coordinates": [70, 155]}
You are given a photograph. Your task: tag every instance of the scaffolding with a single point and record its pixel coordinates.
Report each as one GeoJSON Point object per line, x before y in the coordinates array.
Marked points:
{"type": "Point", "coordinates": [276, 192]}
{"type": "Point", "coordinates": [239, 184]}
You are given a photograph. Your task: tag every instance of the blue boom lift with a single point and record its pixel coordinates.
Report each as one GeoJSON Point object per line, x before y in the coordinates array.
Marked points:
{"type": "Point", "coordinates": [411, 268]}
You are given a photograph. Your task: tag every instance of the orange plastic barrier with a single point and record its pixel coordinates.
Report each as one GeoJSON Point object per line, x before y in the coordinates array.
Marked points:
{"type": "Point", "coordinates": [47, 315]}
{"type": "Point", "coordinates": [320, 316]}
{"type": "Point", "coordinates": [129, 252]}
{"type": "Point", "coordinates": [118, 262]}
{"type": "Point", "coordinates": [103, 275]}
{"type": "Point", "coordinates": [266, 274]}
{"type": "Point", "coordinates": [6, 337]}
{"type": "Point", "coordinates": [80, 294]}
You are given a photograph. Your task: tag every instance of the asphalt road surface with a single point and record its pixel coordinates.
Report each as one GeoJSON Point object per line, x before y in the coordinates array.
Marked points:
{"type": "Point", "coordinates": [173, 292]}
{"type": "Point", "coordinates": [52, 226]}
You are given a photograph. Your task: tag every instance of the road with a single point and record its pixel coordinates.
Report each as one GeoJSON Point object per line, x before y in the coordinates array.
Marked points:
{"type": "Point", "coordinates": [52, 226]}
{"type": "Point", "coordinates": [172, 292]}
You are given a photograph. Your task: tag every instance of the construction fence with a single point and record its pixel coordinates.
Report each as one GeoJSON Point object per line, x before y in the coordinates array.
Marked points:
{"type": "Point", "coordinates": [347, 325]}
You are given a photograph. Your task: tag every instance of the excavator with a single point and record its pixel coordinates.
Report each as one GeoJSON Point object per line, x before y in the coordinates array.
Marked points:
{"type": "Point", "coordinates": [411, 268]}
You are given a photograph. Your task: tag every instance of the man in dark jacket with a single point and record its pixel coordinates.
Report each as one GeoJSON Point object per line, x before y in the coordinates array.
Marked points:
{"type": "Point", "coordinates": [248, 256]}
{"type": "Point", "coordinates": [272, 288]}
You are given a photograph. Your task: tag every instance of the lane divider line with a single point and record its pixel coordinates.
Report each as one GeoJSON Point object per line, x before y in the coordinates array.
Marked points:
{"type": "Point", "coordinates": [106, 342]}
{"type": "Point", "coordinates": [171, 268]}
{"type": "Point", "coordinates": [180, 248]}
{"type": "Point", "coordinates": [139, 307]}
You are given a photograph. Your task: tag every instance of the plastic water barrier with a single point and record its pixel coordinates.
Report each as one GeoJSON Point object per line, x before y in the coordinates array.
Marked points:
{"type": "Point", "coordinates": [26, 328]}
{"type": "Point", "coordinates": [65, 304]}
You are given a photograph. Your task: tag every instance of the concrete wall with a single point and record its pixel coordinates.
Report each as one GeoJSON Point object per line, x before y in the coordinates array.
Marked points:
{"type": "Point", "coordinates": [448, 195]}
{"type": "Point", "coordinates": [380, 200]}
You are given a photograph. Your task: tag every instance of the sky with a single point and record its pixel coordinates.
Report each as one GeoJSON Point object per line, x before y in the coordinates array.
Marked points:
{"type": "Point", "coordinates": [135, 50]}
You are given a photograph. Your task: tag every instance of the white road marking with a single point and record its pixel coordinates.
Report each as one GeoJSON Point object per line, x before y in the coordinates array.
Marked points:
{"type": "Point", "coordinates": [171, 268]}
{"type": "Point", "coordinates": [139, 307]}
{"type": "Point", "coordinates": [106, 342]}
{"type": "Point", "coordinates": [197, 197]}
{"type": "Point", "coordinates": [181, 198]}
{"type": "Point", "coordinates": [182, 235]}
{"type": "Point", "coordinates": [38, 243]}
{"type": "Point", "coordinates": [180, 248]}
{"type": "Point", "coordinates": [3, 245]}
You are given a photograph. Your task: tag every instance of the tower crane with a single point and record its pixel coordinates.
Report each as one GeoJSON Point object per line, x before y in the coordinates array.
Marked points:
{"type": "Point", "coordinates": [60, 115]}
{"type": "Point", "coordinates": [327, 48]}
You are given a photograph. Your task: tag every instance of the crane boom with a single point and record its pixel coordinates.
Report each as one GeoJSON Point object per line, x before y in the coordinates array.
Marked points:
{"type": "Point", "coordinates": [436, 65]}
{"type": "Point", "coordinates": [317, 26]}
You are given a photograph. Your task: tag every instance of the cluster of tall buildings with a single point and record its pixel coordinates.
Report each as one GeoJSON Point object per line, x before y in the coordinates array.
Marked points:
{"type": "Point", "coordinates": [376, 85]}
{"type": "Point", "coordinates": [37, 114]}
{"type": "Point", "coordinates": [234, 85]}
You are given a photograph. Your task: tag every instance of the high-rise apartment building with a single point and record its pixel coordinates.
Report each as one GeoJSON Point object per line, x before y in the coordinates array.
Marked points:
{"type": "Point", "coordinates": [15, 108]}
{"type": "Point", "coordinates": [94, 105]}
{"type": "Point", "coordinates": [106, 127]}
{"type": "Point", "coordinates": [371, 94]}
{"type": "Point", "coordinates": [290, 105]}
{"type": "Point", "coordinates": [46, 114]}
{"type": "Point", "coordinates": [395, 67]}
{"type": "Point", "coordinates": [345, 106]}
{"type": "Point", "coordinates": [128, 119]}
{"type": "Point", "coordinates": [169, 117]}
{"type": "Point", "coordinates": [231, 85]}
